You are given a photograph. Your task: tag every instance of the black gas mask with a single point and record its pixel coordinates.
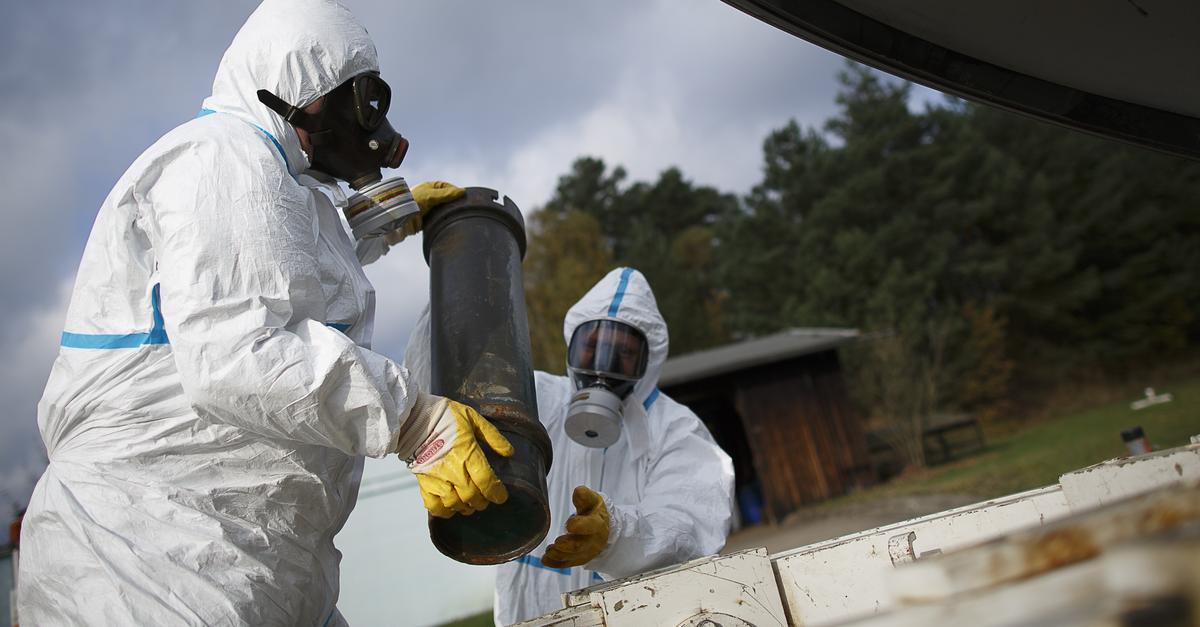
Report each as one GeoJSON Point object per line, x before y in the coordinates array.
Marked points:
{"type": "Point", "coordinates": [351, 137]}
{"type": "Point", "coordinates": [352, 140]}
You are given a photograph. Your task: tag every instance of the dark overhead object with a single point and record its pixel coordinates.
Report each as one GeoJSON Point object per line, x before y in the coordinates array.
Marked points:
{"type": "Point", "coordinates": [1124, 69]}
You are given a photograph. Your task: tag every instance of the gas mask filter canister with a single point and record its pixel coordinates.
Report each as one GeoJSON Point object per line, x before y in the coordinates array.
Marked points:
{"type": "Point", "coordinates": [380, 208]}
{"type": "Point", "coordinates": [594, 417]}
{"type": "Point", "coordinates": [606, 358]}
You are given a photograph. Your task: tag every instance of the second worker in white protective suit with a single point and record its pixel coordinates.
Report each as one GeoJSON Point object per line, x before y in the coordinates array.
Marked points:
{"type": "Point", "coordinates": [215, 392]}
{"type": "Point", "coordinates": [660, 494]}
{"type": "Point", "coordinates": [646, 490]}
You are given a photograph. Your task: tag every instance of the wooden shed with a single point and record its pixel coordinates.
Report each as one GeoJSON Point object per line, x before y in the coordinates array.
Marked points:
{"type": "Point", "coordinates": [778, 406]}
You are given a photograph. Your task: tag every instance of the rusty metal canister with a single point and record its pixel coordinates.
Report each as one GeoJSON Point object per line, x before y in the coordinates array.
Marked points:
{"type": "Point", "coordinates": [480, 355]}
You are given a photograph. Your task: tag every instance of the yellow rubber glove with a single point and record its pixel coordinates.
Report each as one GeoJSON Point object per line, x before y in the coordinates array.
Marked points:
{"type": "Point", "coordinates": [587, 532]}
{"type": "Point", "coordinates": [452, 472]}
{"type": "Point", "coordinates": [428, 195]}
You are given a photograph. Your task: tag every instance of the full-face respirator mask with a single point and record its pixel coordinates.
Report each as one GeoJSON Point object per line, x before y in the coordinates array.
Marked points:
{"type": "Point", "coordinates": [605, 360]}
{"type": "Point", "coordinates": [352, 140]}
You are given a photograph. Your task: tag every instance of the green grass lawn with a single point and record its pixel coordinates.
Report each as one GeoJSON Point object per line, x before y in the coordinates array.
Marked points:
{"type": "Point", "coordinates": [1038, 455]}
{"type": "Point", "coordinates": [480, 620]}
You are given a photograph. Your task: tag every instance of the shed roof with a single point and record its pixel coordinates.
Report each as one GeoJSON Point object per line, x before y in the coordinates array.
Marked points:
{"type": "Point", "coordinates": [756, 352]}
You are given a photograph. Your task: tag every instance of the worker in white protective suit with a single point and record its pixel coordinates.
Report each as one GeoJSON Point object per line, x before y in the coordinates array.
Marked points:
{"type": "Point", "coordinates": [214, 395]}
{"type": "Point", "coordinates": [637, 482]}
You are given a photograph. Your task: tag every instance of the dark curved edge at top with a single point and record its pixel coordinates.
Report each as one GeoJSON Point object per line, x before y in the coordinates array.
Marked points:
{"type": "Point", "coordinates": [478, 202]}
{"type": "Point", "coordinates": [856, 36]}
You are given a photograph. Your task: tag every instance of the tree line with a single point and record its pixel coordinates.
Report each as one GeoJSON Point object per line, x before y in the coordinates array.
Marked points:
{"type": "Point", "coordinates": [976, 250]}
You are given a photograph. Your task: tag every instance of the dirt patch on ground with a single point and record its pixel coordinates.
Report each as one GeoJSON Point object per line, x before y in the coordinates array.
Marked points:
{"type": "Point", "coordinates": [809, 526]}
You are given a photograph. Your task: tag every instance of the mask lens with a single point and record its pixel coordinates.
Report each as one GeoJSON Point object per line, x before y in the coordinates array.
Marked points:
{"type": "Point", "coordinates": [608, 348]}
{"type": "Point", "coordinates": [372, 97]}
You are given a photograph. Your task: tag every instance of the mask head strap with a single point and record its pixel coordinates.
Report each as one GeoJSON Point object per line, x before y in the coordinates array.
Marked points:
{"type": "Point", "coordinates": [293, 114]}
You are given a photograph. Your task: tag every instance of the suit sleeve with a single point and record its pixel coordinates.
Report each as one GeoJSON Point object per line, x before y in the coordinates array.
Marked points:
{"type": "Point", "coordinates": [684, 513]}
{"type": "Point", "coordinates": [236, 251]}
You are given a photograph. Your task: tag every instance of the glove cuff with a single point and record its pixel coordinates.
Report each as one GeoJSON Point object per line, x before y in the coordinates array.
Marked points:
{"type": "Point", "coordinates": [614, 524]}
{"type": "Point", "coordinates": [422, 419]}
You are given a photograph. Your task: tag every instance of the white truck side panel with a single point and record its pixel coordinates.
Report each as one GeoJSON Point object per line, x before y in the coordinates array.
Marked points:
{"type": "Point", "coordinates": [1116, 479]}
{"type": "Point", "coordinates": [741, 584]}
{"type": "Point", "coordinates": [846, 577]}
{"type": "Point", "coordinates": [855, 577]}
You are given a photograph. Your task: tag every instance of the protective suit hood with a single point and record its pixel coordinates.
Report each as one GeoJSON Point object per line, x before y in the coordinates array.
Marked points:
{"type": "Point", "coordinates": [299, 50]}
{"type": "Point", "coordinates": [625, 295]}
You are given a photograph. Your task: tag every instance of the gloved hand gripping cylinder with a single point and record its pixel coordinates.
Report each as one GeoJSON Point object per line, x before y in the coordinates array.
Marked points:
{"type": "Point", "coordinates": [481, 356]}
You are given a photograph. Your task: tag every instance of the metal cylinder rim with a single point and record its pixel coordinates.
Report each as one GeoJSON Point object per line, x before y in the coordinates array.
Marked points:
{"type": "Point", "coordinates": [480, 202]}
{"type": "Point", "coordinates": [495, 558]}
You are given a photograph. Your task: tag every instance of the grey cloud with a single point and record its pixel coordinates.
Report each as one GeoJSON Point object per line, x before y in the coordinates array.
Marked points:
{"type": "Point", "coordinates": [479, 80]}
{"type": "Point", "coordinates": [87, 88]}
{"type": "Point", "coordinates": [490, 73]}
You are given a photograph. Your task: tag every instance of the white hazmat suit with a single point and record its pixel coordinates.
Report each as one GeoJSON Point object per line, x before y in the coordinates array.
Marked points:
{"type": "Point", "coordinates": [214, 395]}
{"type": "Point", "coordinates": [667, 485]}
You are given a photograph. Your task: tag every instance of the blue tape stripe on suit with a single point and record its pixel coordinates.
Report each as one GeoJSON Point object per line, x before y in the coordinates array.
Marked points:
{"type": "Point", "coordinates": [157, 334]}
{"type": "Point", "coordinates": [646, 404]}
{"type": "Point", "coordinates": [278, 146]}
{"type": "Point", "coordinates": [615, 306]}
{"type": "Point", "coordinates": [537, 563]}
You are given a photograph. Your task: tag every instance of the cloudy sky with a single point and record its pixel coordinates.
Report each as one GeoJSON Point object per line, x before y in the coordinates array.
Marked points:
{"type": "Point", "coordinates": [504, 95]}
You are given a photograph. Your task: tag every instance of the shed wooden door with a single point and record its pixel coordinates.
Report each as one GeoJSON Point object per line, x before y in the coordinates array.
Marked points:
{"type": "Point", "coordinates": [808, 444]}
